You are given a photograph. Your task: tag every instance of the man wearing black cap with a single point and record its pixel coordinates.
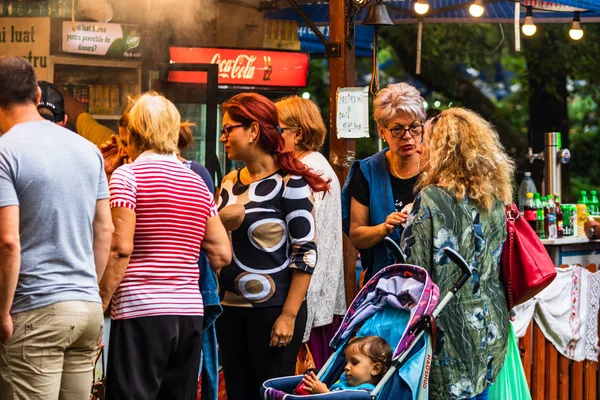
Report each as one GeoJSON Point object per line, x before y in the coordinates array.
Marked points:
{"type": "Point", "coordinates": [55, 234]}
{"type": "Point", "coordinates": [52, 106]}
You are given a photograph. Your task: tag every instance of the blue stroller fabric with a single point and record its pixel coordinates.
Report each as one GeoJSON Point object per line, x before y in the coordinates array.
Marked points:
{"type": "Point", "coordinates": [389, 305]}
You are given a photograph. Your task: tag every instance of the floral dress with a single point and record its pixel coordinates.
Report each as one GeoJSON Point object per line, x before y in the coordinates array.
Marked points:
{"type": "Point", "coordinates": [472, 330]}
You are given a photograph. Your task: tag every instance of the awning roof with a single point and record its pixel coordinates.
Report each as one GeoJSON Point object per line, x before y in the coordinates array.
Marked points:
{"type": "Point", "coordinates": [457, 11]}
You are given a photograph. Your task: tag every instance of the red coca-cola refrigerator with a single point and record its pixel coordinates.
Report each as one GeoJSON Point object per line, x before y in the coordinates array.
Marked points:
{"type": "Point", "coordinates": [199, 80]}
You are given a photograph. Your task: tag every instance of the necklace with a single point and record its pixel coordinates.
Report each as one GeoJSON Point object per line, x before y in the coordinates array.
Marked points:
{"type": "Point", "coordinates": [416, 172]}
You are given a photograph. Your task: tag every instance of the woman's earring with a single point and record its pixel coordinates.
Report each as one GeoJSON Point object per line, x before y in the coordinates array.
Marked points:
{"type": "Point", "coordinates": [251, 140]}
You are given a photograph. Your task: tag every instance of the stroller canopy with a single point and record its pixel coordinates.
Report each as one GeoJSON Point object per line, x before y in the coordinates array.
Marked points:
{"type": "Point", "coordinates": [401, 286]}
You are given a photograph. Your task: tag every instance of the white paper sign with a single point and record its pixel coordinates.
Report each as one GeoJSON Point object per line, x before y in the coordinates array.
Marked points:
{"type": "Point", "coordinates": [353, 112]}
{"type": "Point", "coordinates": [114, 40]}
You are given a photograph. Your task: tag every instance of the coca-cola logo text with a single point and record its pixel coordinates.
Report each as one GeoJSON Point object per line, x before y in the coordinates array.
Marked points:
{"type": "Point", "coordinates": [239, 68]}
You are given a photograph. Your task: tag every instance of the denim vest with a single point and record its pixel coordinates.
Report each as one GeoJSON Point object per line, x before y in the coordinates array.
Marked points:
{"type": "Point", "coordinates": [381, 204]}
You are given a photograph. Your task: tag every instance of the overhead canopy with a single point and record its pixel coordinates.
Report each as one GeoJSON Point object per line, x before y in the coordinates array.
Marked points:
{"type": "Point", "coordinates": [310, 43]}
{"type": "Point", "coordinates": [401, 11]}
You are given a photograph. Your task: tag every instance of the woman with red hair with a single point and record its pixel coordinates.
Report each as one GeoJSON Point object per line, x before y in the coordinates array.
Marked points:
{"type": "Point", "coordinates": [267, 206]}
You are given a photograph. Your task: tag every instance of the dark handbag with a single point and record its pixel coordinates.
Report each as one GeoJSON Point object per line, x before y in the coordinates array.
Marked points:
{"type": "Point", "coordinates": [526, 266]}
{"type": "Point", "coordinates": [98, 383]}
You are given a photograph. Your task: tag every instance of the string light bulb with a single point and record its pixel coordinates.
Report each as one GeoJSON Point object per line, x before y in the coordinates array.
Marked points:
{"type": "Point", "coordinates": [421, 7]}
{"type": "Point", "coordinates": [576, 33]}
{"type": "Point", "coordinates": [476, 9]}
{"type": "Point", "coordinates": [529, 28]}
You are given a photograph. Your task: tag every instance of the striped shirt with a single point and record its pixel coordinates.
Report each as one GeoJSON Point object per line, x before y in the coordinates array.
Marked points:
{"type": "Point", "coordinates": [172, 205]}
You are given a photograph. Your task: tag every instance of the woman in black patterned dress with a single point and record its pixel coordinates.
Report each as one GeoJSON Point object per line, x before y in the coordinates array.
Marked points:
{"type": "Point", "coordinates": [267, 207]}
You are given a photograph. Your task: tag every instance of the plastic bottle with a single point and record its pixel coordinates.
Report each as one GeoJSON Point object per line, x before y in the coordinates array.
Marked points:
{"type": "Point", "coordinates": [546, 213]}
{"type": "Point", "coordinates": [539, 210]}
{"type": "Point", "coordinates": [560, 224]}
{"type": "Point", "coordinates": [583, 199]}
{"type": "Point", "coordinates": [525, 187]}
{"type": "Point", "coordinates": [593, 204]}
{"type": "Point", "coordinates": [574, 223]}
{"type": "Point", "coordinates": [582, 212]}
{"type": "Point", "coordinates": [529, 211]}
{"type": "Point", "coordinates": [552, 228]}
{"type": "Point", "coordinates": [567, 225]}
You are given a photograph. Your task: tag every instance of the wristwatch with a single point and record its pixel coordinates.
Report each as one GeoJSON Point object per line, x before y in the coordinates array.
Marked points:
{"type": "Point", "coordinates": [592, 232]}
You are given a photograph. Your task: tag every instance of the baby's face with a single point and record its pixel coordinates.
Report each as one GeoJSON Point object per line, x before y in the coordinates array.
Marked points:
{"type": "Point", "coordinates": [359, 368]}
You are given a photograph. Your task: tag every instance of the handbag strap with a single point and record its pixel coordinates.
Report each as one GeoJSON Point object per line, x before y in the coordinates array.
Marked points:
{"type": "Point", "coordinates": [99, 357]}
{"type": "Point", "coordinates": [512, 215]}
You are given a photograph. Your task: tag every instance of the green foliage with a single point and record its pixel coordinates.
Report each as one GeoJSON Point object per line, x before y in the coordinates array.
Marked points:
{"type": "Point", "coordinates": [484, 49]}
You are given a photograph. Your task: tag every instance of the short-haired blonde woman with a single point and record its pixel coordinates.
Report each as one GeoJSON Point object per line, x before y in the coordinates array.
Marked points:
{"type": "Point", "coordinates": [304, 133]}
{"type": "Point", "coordinates": [461, 205]}
{"type": "Point", "coordinates": [379, 187]}
{"type": "Point", "coordinates": [163, 214]}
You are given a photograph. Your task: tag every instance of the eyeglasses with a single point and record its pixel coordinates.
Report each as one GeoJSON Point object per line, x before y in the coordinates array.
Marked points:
{"type": "Point", "coordinates": [226, 130]}
{"type": "Point", "coordinates": [415, 129]}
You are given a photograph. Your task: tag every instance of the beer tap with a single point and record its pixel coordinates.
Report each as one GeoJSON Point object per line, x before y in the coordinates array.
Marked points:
{"type": "Point", "coordinates": [531, 156]}
{"type": "Point", "coordinates": [553, 156]}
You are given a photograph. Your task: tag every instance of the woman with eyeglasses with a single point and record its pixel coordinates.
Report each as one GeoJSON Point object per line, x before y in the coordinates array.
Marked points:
{"type": "Point", "coordinates": [267, 206]}
{"type": "Point", "coordinates": [379, 190]}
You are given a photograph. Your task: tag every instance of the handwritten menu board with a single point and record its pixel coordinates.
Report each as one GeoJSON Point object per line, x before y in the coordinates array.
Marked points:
{"type": "Point", "coordinates": [353, 112]}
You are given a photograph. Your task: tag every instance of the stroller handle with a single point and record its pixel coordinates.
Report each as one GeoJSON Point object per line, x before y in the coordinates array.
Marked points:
{"type": "Point", "coordinates": [395, 250]}
{"type": "Point", "coordinates": [466, 270]}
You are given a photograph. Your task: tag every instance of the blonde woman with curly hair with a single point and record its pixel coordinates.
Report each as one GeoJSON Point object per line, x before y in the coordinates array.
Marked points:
{"type": "Point", "coordinates": [461, 205]}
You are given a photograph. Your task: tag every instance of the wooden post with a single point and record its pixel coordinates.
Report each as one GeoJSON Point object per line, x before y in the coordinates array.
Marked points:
{"type": "Point", "coordinates": [576, 381]}
{"type": "Point", "coordinates": [525, 348]}
{"type": "Point", "coordinates": [539, 363]}
{"type": "Point", "coordinates": [341, 74]}
{"type": "Point", "coordinates": [563, 377]}
{"type": "Point", "coordinates": [550, 381]}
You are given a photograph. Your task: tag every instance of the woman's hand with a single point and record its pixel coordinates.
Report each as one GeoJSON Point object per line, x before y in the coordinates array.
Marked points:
{"type": "Point", "coordinates": [313, 385]}
{"type": "Point", "coordinates": [393, 221]}
{"type": "Point", "coordinates": [283, 331]}
{"type": "Point", "coordinates": [232, 216]}
{"type": "Point", "coordinates": [111, 153]}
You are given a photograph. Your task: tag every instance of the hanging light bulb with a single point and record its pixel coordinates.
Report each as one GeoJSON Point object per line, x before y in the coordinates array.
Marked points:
{"type": "Point", "coordinates": [576, 32]}
{"type": "Point", "coordinates": [421, 7]}
{"type": "Point", "coordinates": [476, 9]}
{"type": "Point", "coordinates": [529, 28]}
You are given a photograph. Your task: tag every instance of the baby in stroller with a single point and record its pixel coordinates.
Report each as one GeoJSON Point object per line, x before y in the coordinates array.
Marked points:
{"type": "Point", "coordinates": [367, 360]}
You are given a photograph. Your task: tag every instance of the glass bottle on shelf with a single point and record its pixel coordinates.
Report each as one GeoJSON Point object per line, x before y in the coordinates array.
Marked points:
{"type": "Point", "coordinates": [594, 204]}
{"type": "Point", "coordinates": [560, 223]}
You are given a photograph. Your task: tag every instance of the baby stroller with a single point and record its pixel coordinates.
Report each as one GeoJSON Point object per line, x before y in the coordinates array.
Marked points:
{"type": "Point", "coordinates": [398, 304]}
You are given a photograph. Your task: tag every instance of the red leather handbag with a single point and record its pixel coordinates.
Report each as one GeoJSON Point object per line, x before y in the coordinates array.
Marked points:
{"type": "Point", "coordinates": [526, 266]}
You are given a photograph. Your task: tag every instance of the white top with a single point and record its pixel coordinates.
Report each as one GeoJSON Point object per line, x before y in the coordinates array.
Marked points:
{"type": "Point", "coordinates": [326, 296]}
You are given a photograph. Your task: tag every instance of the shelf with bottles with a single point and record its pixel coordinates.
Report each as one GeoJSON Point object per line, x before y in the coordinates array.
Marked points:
{"type": "Point", "coordinates": [103, 91]}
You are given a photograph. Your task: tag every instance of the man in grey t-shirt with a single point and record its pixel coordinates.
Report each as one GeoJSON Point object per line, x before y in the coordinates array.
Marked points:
{"type": "Point", "coordinates": [55, 233]}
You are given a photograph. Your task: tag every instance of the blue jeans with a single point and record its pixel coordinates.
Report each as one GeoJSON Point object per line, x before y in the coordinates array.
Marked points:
{"type": "Point", "coordinates": [482, 396]}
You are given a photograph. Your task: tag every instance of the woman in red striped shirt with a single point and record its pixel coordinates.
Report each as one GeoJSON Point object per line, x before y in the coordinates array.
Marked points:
{"type": "Point", "coordinates": [268, 208]}
{"type": "Point", "coordinates": [163, 214]}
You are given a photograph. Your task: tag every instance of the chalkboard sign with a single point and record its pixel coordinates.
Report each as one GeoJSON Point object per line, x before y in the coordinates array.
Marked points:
{"type": "Point", "coordinates": [353, 112]}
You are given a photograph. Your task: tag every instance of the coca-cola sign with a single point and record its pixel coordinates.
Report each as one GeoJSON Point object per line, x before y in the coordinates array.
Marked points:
{"type": "Point", "coordinates": [242, 66]}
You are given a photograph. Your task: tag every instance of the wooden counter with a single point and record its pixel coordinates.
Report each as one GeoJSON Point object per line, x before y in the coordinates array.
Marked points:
{"type": "Point", "coordinates": [573, 250]}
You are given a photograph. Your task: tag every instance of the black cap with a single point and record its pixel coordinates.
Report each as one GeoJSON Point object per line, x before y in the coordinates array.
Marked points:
{"type": "Point", "coordinates": [52, 100]}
